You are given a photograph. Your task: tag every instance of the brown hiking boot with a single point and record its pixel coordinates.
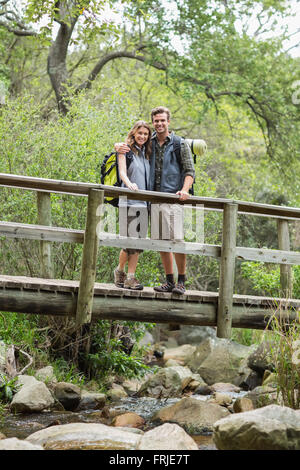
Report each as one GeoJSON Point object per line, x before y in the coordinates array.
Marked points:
{"type": "Point", "coordinates": [133, 283]}
{"type": "Point", "coordinates": [119, 278]}
{"type": "Point", "coordinates": [167, 287]}
{"type": "Point", "coordinates": [179, 289]}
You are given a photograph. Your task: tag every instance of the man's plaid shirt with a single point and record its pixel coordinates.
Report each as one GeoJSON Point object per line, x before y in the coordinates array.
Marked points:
{"type": "Point", "coordinates": [186, 159]}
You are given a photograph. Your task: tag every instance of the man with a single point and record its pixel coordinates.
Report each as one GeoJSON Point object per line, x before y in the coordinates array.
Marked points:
{"type": "Point", "coordinates": [169, 175]}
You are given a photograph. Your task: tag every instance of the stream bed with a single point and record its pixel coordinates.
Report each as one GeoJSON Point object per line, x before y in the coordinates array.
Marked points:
{"type": "Point", "coordinates": [22, 425]}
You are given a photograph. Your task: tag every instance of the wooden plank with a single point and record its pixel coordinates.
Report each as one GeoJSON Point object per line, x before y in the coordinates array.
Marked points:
{"type": "Point", "coordinates": [82, 189]}
{"type": "Point", "coordinates": [44, 218]}
{"type": "Point", "coordinates": [109, 239]}
{"type": "Point", "coordinates": [135, 309]}
{"type": "Point", "coordinates": [268, 256]}
{"type": "Point", "coordinates": [40, 232]}
{"type": "Point", "coordinates": [89, 259]}
{"type": "Point", "coordinates": [227, 267]}
{"type": "Point", "coordinates": [286, 282]}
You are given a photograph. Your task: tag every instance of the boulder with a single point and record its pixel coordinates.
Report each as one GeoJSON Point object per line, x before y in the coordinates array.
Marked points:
{"type": "Point", "coordinates": [194, 335]}
{"type": "Point", "coordinates": [17, 444]}
{"type": "Point", "coordinates": [242, 404]}
{"type": "Point", "coordinates": [225, 388]}
{"type": "Point", "coordinates": [180, 354]}
{"type": "Point", "coordinates": [187, 377]}
{"type": "Point", "coordinates": [91, 401]}
{"type": "Point", "coordinates": [116, 393]}
{"type": "Point", "coordinates": [270, 428]}
{"type": "Point", "coordinates": [85, 436]}
{"type": "Point", "coordinates": [167, 437]}
{"type": "Point", "coordinates": [195, 416]}
{"type": "Point", "coordinates": [33, 396]}
{"type": "Point", "coordinates": [262, 396]}
{"type": "Point", "coordinates": [221, 360]}
{"type": "Point", "coordinates": [69, 395]}
{"type": "Point", "coordinates": [260, 360]}
{"type": "Point", "coordinates": [2, 356]}
{"type": "Point", "coordinates": [46, 374]}
{"type": "Point", "coordinates": [166, 383]}
{"type": "Point", "coordinates": [130, 420]}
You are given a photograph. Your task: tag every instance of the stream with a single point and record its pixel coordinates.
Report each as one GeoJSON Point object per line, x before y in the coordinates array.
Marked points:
{"type": "Point", "coordinates": [22, 425]}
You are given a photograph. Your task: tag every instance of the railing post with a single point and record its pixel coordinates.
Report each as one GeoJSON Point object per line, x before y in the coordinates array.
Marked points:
{"type": "Point", "coordinates": [227, 267]}
{"type": "Point", "coordinates": [44, 218]}
{"type": "Point", "coordinates": [286, 279]}
{"type": "Point", "coordinates": [89, 258]}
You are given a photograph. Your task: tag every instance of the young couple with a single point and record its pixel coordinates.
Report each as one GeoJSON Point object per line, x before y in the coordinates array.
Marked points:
{"type": "Point", "coordinates": [147, 161]}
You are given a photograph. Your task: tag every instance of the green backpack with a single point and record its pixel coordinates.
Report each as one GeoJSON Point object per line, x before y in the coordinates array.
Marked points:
{"type": "Point", "coordinates": [110, 174]}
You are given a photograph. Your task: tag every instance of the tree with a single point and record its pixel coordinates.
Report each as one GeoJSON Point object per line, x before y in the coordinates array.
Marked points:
{"type": "Point", "coordinates": [217, 59]}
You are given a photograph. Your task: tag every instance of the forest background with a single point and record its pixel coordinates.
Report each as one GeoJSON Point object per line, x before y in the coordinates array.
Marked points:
{"type": "Point", "coordinates": [76, 75]}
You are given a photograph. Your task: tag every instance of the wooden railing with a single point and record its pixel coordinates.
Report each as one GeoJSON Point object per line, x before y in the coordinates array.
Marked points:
{"type": "Point", "coordinates": [227, 252]}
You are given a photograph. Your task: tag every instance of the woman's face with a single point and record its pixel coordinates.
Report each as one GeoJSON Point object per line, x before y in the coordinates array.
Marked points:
{"type": "Point", "coordinates": [141, 136]}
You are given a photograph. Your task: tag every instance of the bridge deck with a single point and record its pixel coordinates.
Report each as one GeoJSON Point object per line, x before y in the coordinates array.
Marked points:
{"type": "Point", "coordinates": [110, 290]}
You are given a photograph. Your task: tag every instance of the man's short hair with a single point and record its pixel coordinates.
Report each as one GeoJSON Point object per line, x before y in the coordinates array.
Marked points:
{"type": "Point", "coordinates": [160, 110]}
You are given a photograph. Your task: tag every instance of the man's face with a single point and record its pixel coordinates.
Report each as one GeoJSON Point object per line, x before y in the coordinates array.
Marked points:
{"type": "Point", "coordinates": [161, 123]}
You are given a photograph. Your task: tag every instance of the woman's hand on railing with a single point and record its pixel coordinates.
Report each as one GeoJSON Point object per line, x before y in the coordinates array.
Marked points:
{"type": "Point", "coordinates": [132, 186]}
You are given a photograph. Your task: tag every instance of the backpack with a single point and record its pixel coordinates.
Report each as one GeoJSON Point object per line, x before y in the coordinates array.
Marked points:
{"type": "Point", "coordinates": [110, 174]}
{"type": "Point", "coordinates": [177, 148]}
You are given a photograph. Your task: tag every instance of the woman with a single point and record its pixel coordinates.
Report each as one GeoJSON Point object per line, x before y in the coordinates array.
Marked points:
{"type": "Point", "coordinates": [134, 171]}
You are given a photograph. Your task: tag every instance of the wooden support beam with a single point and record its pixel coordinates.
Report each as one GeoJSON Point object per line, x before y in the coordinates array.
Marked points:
{"type": "Point", "coordinates": [286, 280]}
{"type": "Point", "coordinates": [45, 218]}
{"type": "Point", "coordinates": [89, 258]}
{"type": "Point", "coordinates": [227, 267]}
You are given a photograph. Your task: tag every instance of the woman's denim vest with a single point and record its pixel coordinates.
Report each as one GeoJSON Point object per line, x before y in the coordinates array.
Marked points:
{"type": "Point", "coordinates": [172, 176]}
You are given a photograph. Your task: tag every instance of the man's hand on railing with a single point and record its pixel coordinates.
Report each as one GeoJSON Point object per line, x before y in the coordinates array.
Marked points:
{"type": "Point", "coordinates": [183, 195]}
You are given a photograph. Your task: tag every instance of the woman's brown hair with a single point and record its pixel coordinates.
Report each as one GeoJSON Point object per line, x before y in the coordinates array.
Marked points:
{"type": "Point", "coordinates": [130, 141]}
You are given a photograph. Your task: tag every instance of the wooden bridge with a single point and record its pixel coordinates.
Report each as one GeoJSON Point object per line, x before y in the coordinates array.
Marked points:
{"type": "Point", "coordinates": [86, 300]}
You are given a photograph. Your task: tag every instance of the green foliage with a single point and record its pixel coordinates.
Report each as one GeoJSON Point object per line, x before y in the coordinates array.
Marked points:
{"type": "Point", "coordinates": [285, 355]}
{"type": "Point", "coordinates": [8, 387]}
{"type": "Point", "coordinates": [108, 357]}
{"type": "Point", "coordinates": [265, 279]}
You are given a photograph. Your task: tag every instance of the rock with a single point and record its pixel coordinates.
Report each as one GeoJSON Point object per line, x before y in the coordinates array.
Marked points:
{"type": "Point", "coordinates": [194, 335]}
{"type": "Point", "coordinates": [69, 395]}
{"type": "Point", "coordinates": [131, 386]}
{"type": "Point", "coordinates": [225, 387]}
{"type": "Point", "coordinates": [270, 428]}
{"type": "Point", "coordinates": [130, 420]}
{"type": "Point", "coordinates": [167, 437]}
{"type": "Point", "coordinates": [2, 436]}
{"type": "Point", "coordinates": [171, 363]}
{"type": "Point", "coordinates": [91, 401]}
{"type": "Point", "coordinates": [46, 374]}
{"type": "Point", "coordinates": [165, 383]}
{"type": "Point", "coordinates": [16, 444]}
{"type": "Point", "coordinates": [33, 396]}
{"type": "Point", "coordinates": [193, 415]}
{"type": "Point", "coordinates": [2, 356]}
{"type": "Point", "coordinates": [146, 340]}
{"type": "Point", "coordinates": [220, 360]}
{"type": "Point", "coordinates": [180, 354]}
{"type": "Point", "coordinates": [203, 390]}
{"type": "Point", "coordinates": [187, 376]}
{"type": "Point", "coordinates": [222, 399]}
{"type": "Point", "coordinates": [116, 393]}
{"type": "Point", "coordinates": [242, 404]}
{"type": "Point", "coordinates": [262, 396]}
{"type": "Point", "coordinates": [251, 381]}
{"type": "Point", "coordinates": [260, 360]}
{"type": "Point", "coordinates": [269, 378]}
{"type": "Point", "coordinates": [85, 436]}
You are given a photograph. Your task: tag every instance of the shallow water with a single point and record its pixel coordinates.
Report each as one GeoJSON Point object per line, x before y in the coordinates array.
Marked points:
{"type": "Point", "coordinates": [22, 425]}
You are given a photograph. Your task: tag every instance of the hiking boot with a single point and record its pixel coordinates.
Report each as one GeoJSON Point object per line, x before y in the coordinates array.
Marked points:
{"type": "Point", "coordinates": [133, 284]}
{"type": "Point", "coordinates": [119, 278]}
{"type": "Point", "coordinates": [167, 287]}
{"type": "Point", "coordinates": [179, 289]}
